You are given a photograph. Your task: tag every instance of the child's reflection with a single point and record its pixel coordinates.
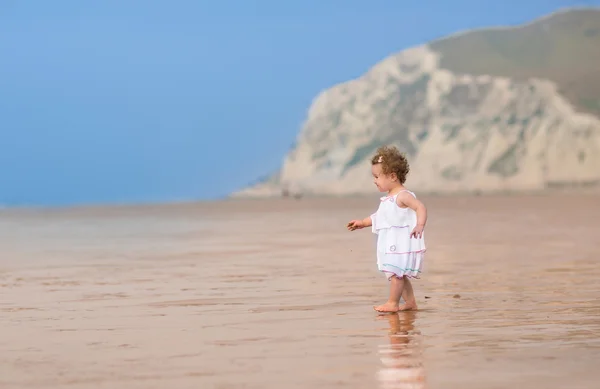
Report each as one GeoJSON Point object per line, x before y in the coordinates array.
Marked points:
{"type": "Point", "coordinates": [402, 358]}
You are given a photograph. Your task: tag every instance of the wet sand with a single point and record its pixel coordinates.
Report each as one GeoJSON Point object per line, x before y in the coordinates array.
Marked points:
{"type": "Point", "coordinates": [256, 294]}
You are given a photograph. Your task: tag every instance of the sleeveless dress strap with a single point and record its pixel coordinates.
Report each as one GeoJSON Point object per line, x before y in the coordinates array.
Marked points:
{"type": "Point", "coordinates": [406, 190]}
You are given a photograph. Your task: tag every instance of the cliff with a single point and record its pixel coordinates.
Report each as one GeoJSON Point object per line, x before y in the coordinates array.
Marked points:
{"type": "Point", "coordinates": [507, 109]}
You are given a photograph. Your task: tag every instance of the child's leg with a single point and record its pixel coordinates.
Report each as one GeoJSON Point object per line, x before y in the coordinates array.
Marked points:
{"type": "Point", "coordinates": [396, 287]}
{"type": "Point", "coordinates": [409, 296]}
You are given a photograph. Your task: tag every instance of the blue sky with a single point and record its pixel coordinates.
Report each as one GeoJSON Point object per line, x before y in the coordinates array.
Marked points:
{"type": "Point", "coordinates": [120, 101]}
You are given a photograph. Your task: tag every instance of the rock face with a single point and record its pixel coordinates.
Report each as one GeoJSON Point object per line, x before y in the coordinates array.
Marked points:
{"type": "Point", "coordinates": [464, 130]}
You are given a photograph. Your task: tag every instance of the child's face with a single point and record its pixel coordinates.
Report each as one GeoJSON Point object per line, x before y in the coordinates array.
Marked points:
{"type": "Point", "coordinates": [384, 182]}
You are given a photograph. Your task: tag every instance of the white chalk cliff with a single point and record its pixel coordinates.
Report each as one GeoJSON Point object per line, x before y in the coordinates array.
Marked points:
{"type": "Point", "coordinates": [461, 132]}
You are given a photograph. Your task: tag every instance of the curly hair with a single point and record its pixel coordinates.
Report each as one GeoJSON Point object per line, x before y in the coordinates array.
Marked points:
{"type": "Point", "coordinates": [392, 161]}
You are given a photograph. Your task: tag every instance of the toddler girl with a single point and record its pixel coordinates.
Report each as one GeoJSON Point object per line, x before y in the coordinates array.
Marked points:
{"type": "Point", "coordinates": [398, 223]}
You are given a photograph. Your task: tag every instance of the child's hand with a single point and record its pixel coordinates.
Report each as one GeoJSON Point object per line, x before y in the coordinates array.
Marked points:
{"type": "Point", "coordinates": [355, 225]}
{"type": "Point", "coordinates": [417, 232]}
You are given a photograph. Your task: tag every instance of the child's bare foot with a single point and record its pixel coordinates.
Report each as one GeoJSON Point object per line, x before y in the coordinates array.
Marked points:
{"type": "Point", "coordinates": [387, 307]}
{"type": "Point", "coordinates": [408, 306]}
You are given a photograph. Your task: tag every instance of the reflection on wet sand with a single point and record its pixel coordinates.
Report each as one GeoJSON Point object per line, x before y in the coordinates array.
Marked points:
{"type": "Point", "coordinates": [402, 358]}
{"type": "Point", "coordinates": [197, 296]}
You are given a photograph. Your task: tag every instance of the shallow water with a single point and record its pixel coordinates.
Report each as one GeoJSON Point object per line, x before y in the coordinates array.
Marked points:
{"type": "Point", "coordinates": [256, 294]}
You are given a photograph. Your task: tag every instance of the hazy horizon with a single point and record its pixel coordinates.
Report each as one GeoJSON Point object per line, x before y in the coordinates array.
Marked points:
{"type": "Point", "coordinates": [149, 102]}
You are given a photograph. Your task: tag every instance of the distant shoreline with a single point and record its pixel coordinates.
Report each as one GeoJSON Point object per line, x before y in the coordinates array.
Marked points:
{"type": "Point", "coordinates": [113, 207]}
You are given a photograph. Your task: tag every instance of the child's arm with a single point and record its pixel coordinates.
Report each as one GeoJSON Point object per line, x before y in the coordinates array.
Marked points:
{"type": "Point", "coordinates": [408, 200]}
{"type": "Point", "coordinates": [357, 224]}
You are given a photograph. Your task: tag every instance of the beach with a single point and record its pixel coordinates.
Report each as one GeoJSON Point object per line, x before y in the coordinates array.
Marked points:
{"type": "Point", "coordinates": [278, 294]}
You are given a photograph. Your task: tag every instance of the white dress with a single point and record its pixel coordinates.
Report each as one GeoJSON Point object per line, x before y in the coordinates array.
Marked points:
{"type": "Point", "coordinates": [397, 252]}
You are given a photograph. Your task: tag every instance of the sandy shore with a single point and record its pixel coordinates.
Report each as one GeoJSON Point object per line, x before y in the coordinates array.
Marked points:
{"type": "Point", "coordinates": [277, 294]}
